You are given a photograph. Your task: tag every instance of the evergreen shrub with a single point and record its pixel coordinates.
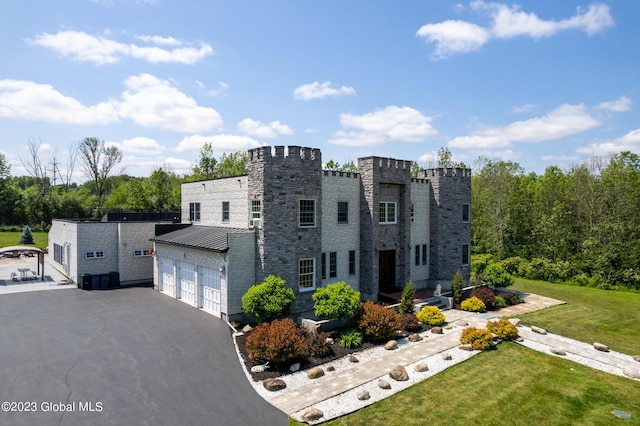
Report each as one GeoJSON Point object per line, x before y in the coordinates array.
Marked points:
{"type": "Point", "coordinates": [457, 288]}
{"type": "Point", "coordinates": [503, 329]}
{"type": "Point", "coordinates": [430, 315]}
{"type": "Point", "coordinates": [268, 300]}
{"type": "Point", "coordinates": [337, 300]}
{"type": "Point", "coordinates": [479, 338]}
{"type": "Point", "coordinates": [473, 304]}
{"type": "Point", "coordinates": [407, 301]}
{"type": "Point", "coordinates": [496, 276]}
{"type": "Point", "coordinates": [499, 302]}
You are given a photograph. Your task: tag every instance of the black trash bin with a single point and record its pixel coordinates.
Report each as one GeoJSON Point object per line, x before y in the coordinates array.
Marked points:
{"type": "Point", "coordinates": [114, 279]}
{"type": "Point", "coordinates": [85, 282]}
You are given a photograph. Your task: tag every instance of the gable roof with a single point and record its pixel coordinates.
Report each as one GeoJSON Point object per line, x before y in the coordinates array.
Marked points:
{"type": "Point", "coordinates": [212, 238]}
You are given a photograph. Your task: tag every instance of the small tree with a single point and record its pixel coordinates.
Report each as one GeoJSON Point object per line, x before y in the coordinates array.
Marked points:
{"type": "Point", "coordinates": [495, 275]}
{"type": "Point", "coordinates": [26, 237]}
{"type": "Point", "coordinates": [408, 297]}
{"type": "Point", "coordinates": [456, 287]}
{"type": "Point", "coordinates": [268, 300]}
{"type": "Point", "coordinates": [337, 300]}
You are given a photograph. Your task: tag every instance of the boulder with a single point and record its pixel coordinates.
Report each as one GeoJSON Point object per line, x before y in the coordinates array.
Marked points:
{"type": "Point", "coordinates": [538, 330]}
{"type": "Point", "coordinates": [634, 374]}
{"type": "Point", "coordinates": [466, 347]}
{"type": "Point", "coordinates": [329, 341]}
{"type": "Point", "coordinates": [399, 373]}
{"type": "Point", "coordinates": [312, 414]}
{"type": "Point", "coordinates": [294, 367]}
{"type": "Point", "coordinates": [331, 368]}
{"type": "Point", "coordinates": [557, 351]}
{"type": "Point", "coordinates": [600, 347]}
{"type": "Point", "coordinates": [446, 356]}
{"type": "Point", "coordinates": [363, 395]}
{"type": "Point", "coordinates": [352, 358]}
{"type": "Point", "coordinates": [315, 373]}
{"type": "Point", "coordinates": [436, 330]}
{"type": "Point", "coordinates": [519, 339]}
{"type": "Point", "coordinates": [420, 368]}
{"type": "Point", "coordinates": [448, 327]}
{"type": "Point", "coordinates": [462, 323]}
{"type": "Point", "coordinates": [274, 385]}
{"type": "Point", "coordinates": [515, 321]}
{"type": "Point", "coordinates": [247, 329]}
{"type": "Point", "coordinates": [383, 384]}
{"type": "Point", "coordinates": [494, 320]}
{"type": "Point", "coordinates": [637, 358]}
{"type": "Point", "coordinates": [415, 337]}
{"type": "Point", "coordinates": [391, 345]}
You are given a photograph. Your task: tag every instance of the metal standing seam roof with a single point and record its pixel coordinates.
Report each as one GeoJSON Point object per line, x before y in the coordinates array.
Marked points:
{"type": "Point", "coordinates": [212, 238]}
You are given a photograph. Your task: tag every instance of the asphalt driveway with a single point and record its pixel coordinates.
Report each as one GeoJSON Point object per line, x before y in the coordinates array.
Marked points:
{"type": "Point", "coordinates": [122, 357]}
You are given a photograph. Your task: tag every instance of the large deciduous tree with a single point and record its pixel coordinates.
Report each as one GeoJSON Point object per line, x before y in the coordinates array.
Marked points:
{"type": "Point", "coordinates": [98, 161]}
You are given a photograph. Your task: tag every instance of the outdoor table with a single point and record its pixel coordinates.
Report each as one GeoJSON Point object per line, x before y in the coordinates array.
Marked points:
{"type": "Point", "coordinates": [23, 272]}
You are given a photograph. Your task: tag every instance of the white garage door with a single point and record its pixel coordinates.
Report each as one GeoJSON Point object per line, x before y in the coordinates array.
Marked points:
{"type": "Point", "coordinates": [166, 278]}
{"type": "Point", "coordinates": [187, 282]}
{"type": "Point", "coordinates": [209, 280]}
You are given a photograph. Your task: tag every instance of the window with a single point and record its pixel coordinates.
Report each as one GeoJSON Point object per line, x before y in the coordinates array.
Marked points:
{"type": "Point", "coordinates": [58, 253]}
{"type": "Point", "coordinates": [307, 213]}
{"type": "Point", "coordinates": [413, 209]}
{"type": "Point", "coordinates": [466, 212]}
{"type": "Point", "coordinates": [94, 255]}
{"type": "Point", "coordinates": [333, 264]}
{"type": "Point", "coordinates": [387, 213]}
{"type": "Point", "coordinates": [352, 262]}
{"type": "Point", "coordinates": [225, 211]}
{"type": "Point", "coordinates": [256, 209]}
{"type": "Point", "coordinates": [424, 254]}
{"type": "Point", "coordinates": [343, 212]}
{"type": "Point", "coordinates": [194, 212]}
{"type": "Point", "coordinates": [99, 254]}
{"type": "Point", "coordinates": [417, 255]}
{"type": "Point", "coordinates": [323, 266]}
{"type": "Point", "coordinates": [307, 274]}
{"type": "Point", "coordinates": [141, 253]}
{"type": "Point", "coordinates": [465, 254]}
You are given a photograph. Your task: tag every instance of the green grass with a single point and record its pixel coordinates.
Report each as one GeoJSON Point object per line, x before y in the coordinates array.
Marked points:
{"type": "Point", "coordinates": [512, 385]}
{"type": "Point", "coordinates": [8, 239]}
{"type": "Point", "coordinates": [590, 315]}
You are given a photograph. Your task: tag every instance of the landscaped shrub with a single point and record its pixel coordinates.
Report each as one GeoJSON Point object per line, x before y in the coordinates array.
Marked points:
{"type": "Point", "coordinates": [407, 301]}
{"type": "Point", "coordinates": [485, 294]}
{"type": "Point", "coordinates": [337, 300]}
{"type": "Point", "coordinates": [377, 323]}
{"type": "Point", "coordinates": [268, 300]}
{"type": "Point", "coordinates": [457, 288]}
{"type": "Point", "coordinates": [315, 344]}
{"type": "Point", "coordinates": [503, 329]}
{"type": "Point", "coordinates": [410, 322]}
{"type": "Point", "coordinates": [508, 298]}
{"type": "Point", "coordinates": [26, 237]}
{"type": "Point", "coordinates": [277, 342]}
{"type": "Point", "coordinates": [480, 261]}
{"type": "Point", "coordinates": [430, 315]}
{"type": "Point", "coordinates": [499, 302]}
{"type": "Point", "coordinates": [479, 338]}
{"type": "Point", "coordinates": [473, 304]}
{"type": "Point", "coordinates": [350, 339]}
{"type": "Point", "coordinates": [517, 299]}
{"type": "Point", "coordinates": [495, 275]}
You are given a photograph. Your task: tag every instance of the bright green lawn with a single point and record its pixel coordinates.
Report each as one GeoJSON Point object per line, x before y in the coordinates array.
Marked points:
{"type": "Point", "coordinates": [8, 239]}
{"type": "Point", "coordinates": [512, 385]}
{"type": "Point", "coordinates": [590, 315]}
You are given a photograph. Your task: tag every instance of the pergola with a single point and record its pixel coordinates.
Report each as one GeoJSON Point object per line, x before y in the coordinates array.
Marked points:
{"type": "Point", "coordinates": [27, 249]}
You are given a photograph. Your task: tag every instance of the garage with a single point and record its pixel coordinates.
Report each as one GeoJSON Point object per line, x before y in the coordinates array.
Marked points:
{"type": "Point", "coordinates": [166, 277]}
{"type": "Point", "coordinates": [187, 282]}
{"type": "Point", "coordinates": [209, 280]}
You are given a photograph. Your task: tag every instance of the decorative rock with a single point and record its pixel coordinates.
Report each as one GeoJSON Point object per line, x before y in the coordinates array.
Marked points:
{"type": "Point", "coordinates": [538, 330]}
{"type": "Point", "coordinates": [436, 330]}
{"type": "Point", "coordinates": [363, 395]}
{"type": "Point", "coordinates": [260, 368]}
{"type": "Point", "coordinates": [315, 373]}
{"type": "Point", "coordinates": [415, 337]}
{"type": "Point", "coordinates": [448, 327]}
{"type": "Point", "coordinates": [494, 320]}
{"type": "Point", "coordinates": [331, 368]}
{"type": "Point", "coordinates": [466, 347]}
{"type": "Point", "coordinates": [557, 351]}
{"type": "Point", "coordinates": [515, 321]}
{"type": "Point", "coordinates": [634, 374]}
{"type": "Point", "coordinates": [329, 341]}
{"type": "Point", "coordinates": [247, 329]}
{"type": "Point", "coordinates": [312, 414]}
{"type": "Point", "coordinates": [352, 358]}
{"type": "Point", "coordinates": [383, 384]}
{"type": "Point", "coordinates": [420, 368]}
{"type": "Point", "coordinates": [519, 339]}
{"type": "Point", "coordinates": [637, 358]}
{"type": "Point", "coordinates": [391, 345]}
{"type": "Point", "coordinates": [494, 336]}
{"type": "Point", "coordinates": [462, 323]}
{"type": "Point", "coordinates": [600, 347]}
{"type": "Point", "coordinates": [294, 367]}
{"type": "Point", "coordinates": [399, 373]}
{"type": "Point", "coordinates": [446, 356]}
{"type": "Point", "coordinates": [274, 385]}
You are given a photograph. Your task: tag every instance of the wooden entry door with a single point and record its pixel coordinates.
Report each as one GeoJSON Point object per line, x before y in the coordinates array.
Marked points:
{"type": "Point", "coordinates": [387, 271]}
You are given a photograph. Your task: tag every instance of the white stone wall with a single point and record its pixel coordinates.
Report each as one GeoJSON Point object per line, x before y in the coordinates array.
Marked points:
{"type": "Point", "coordinates": [420, 231]}
{"type": "Point", "coordinates": [240, 271]}
{"type": "Point", "coordinates": [211, 193]}
{"type": "Point", "coordinates": [340, 238]}
{"type": "Point", "coordinates": [135, 236]}
{"type": "Point", "coordinates": [92, 237]}
{"type": "Point", "coordinates": [64, 233]}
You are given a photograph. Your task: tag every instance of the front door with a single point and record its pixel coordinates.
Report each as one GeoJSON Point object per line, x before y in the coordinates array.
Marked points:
{"type": "Point", "coordinates": [387, 271]}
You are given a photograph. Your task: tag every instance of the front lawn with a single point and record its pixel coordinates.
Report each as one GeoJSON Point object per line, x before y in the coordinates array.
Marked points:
{"type": "Point", "coordinates": [8, 239]}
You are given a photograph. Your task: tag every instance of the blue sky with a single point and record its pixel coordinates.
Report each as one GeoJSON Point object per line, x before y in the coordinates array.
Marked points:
{"type": "Point", "coordinates": [541, 82]}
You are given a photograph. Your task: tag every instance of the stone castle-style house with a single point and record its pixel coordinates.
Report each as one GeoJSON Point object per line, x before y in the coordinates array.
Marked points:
{"type": "Point", "coordinates": [374, 229]}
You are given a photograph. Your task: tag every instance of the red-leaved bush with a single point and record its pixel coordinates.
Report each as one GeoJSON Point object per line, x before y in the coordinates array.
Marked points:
{"type": "Point", "coordinates": [277, 342]}
{"type": "Point", "coordinates": [485, 294]}
{"type": "Point", "coordinates": [377, 323]}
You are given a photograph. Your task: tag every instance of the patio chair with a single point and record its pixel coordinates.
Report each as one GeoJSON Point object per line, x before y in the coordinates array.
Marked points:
{"type": "Point", "coordinates": [14, 276]}
{"type": "Point", "coordinates": [34, 275]}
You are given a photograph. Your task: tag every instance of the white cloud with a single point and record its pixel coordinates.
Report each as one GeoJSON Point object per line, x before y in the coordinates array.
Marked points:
{"type": "Point", "coordinates": [258, 129]}
{"type": "Point", "coordinates": [140, 145]}
{"type": "Point", "coordinates": [159, 40]}
{"type": "Point", "coordinates": [220, 143]}
{"type": "Point", "coordinates": [402, 124]}
{"type": "Point", "coordinates": [559, 158]}
{"type": "Point", "coordinates": [317, 90]}
{"type": "Point", "coordinates": [453, 36]}
{"type": "Point", "coordinates": [41, 102]}
{"type": "Point", "coordinates": [221, 89]}
{"type": "Point", "coordinates": [628, 142]}
{"type": "Point", "coordinates": [619, 105]}
{"type": "Point", "coordinates": [84, 47]}
{"type": "Point", "coordinates": [152, 102]}
{"type": "Point", "coordinates": [523, 108]}
{"type": "Point", "coordinates": [148, 101]}
{"type": "Point", "coordinates": [563, 121]}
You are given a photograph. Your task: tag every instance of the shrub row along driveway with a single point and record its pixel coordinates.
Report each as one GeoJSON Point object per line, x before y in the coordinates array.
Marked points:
{"type": "Point", "coordinates": [146, 359]}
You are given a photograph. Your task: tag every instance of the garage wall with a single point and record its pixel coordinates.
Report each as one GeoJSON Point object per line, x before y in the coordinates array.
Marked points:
{"type": "Point", "coordinates": [210, 194]}
{"type": "Point", "coordinates": [135, 236]}
{"type": "Point", "coordinates": [240, 272]}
